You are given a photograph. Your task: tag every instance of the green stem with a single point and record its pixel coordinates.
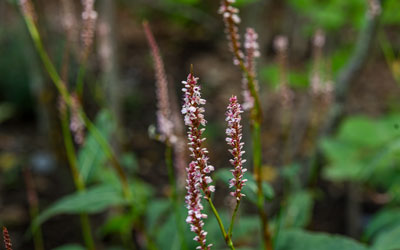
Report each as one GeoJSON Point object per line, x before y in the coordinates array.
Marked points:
{"type": "Point", "coordinates": [174, 195]}
{"type": "Point", "coordinates": [233, 218]}
{"type": "Point", "coordinates": [67, 98]}
{"type": "Point", "coordinates": [78, 180]}
{"type": "Point", "coordinates": [227, 238]}
{"type": "Point", "coordinates": [87, 231]}
{"type": "Point", "coordinates": [37, 234]}
{"type": "Point", "coordinates": [257, 160]}
{"type": "Point", "coordinates": [79, 80]}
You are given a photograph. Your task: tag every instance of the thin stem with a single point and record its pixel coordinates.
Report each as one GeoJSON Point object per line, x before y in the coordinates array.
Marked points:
{"type": "Point", "coordinates": [87, 231]}
{"type": "Point", "coordinates": [33, 209]}
{"type": "Point", "coordinates": [67, 98]}
{"type": "Point", "coordinates": [233, 218]}
{"type": "Point", "coordinates": [257, 158]}
{"type": "Point", "coordinates": [37, 235]}
{"type": "Point", "coordinates": [79, 79]}
{"type": "Point", "coordinates": [78, 180]}
{"type": "Point", "coordinates": [174, 194]}
{"type": "Point", "coordinates": [256, 120]}
{"type": "Point", "coordinates": [227, 238]}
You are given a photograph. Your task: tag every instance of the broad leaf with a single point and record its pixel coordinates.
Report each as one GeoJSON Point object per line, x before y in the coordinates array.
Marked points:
{"type": "Point", "coordinates": [297, 212]}
{"type": "Point", "coordinates": [94, 200]}
{"type": "Point", "coordinates": [388, 239]}
{"type": "Point", "coordinates": [382, 221]}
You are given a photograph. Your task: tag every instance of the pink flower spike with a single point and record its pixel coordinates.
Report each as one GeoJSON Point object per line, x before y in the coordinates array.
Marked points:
{"type": "Point", "coordinates": [193, 201]}
{"type": "Point", "coordinates": [194, 118]}
{"type": "Point", "coordinates": [233, 139]}
{"type": "Point", "coordinates": [198, 171]}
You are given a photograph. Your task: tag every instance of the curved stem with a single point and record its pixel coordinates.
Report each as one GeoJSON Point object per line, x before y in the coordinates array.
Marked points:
{"type": "Point", "coordinates": [78, 180]}
{"type": "Point", "coordinates": [233, 219]}
{"type": "Point", "coordinates": [227, 238]}
{"type": "Point", "coordinates": [79, 80]}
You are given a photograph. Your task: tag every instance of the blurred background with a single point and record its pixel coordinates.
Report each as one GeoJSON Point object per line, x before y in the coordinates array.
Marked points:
{"type": "Point", "coordinates": [329, 75]}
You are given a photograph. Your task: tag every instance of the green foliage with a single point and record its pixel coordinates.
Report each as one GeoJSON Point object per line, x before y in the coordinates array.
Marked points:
{"type": "Point", "coordinates": [156, 212]}
{"type": "Point", "coordinates": [270, 75]}
{"type": "Point", "coordinates": [383, 221]}
{"type": "Point", "coordinates": [302, 240]}
{"type": "Point", "coordinates": [331, 14]}
{"type": "Point", "coordinates": [367, 151]}
{"type": "Point", "coordinates": [389, 240]}
{"type": "Point", "coordinates": [91, 157]}
{"type": "Point", "coordinates": [298, 210]}
{"type": "Point", "coordinates": [93, 200]}
{"type": "Point", "coordinates": [391, 14]}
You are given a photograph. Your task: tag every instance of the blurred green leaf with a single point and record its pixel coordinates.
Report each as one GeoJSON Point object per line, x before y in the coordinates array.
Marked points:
{"type": "Point", "coordinates": [388, 240]}
{"type": "Point", "coordinates": [331, 14]}
{"type": "Point", "coordinates": [270, 75]}
{"type": "Point", "coordinates": [303, 240]}
{"type": "Point", "coordinates": [391, 14]}
{"type": "Point", "coordinates": [91, 158]}
{"type": "Point", "coordinates": [117, 224]}
{"type": "Point", "coordinates": [382, 221]}
{"type": "Point", "coordinates": [93, 200]}
{"type": "Point", "coordinates": [298, 211]}
{"type": "Point", "coordinates": [365, 150]}
{"type": "Point", "coordinates": [155, 211]}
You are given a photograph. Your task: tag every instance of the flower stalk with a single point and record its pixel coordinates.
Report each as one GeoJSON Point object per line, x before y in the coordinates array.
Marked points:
{"type": "Point", "coordinates": [233, 139]}
{"type": "Point", "coordinates": [231, 20]}
{"type": "Point", "coordinates": [198, 171]}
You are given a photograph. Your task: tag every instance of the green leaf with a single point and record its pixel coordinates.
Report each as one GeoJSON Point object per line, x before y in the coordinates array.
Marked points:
{"type": "Point", "coordinates": [155, 210]}
{"type": "Point", "coordinates": [94, 200]}
{"type": "Point", "coordinates": [362, 131]}
{"type": "Point", "coordinates": [303, 240]}
{"type": "Point", "coordinates": [117, 224]}
{"type": "Point", "coordinates": [383, 220]}
{"type": "Point", "coordinates": [91, 157]}
{"type": "Point", "coordinates": [70, 247]}
{"type": "Point", "coordinates": [391, 15]}
{"type": "Point", "coordinates": [298, 211]}
{"type": "Point", "coordinates": [388, 240]}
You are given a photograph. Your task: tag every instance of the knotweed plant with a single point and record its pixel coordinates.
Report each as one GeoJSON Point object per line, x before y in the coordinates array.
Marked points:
{"type": "Point", "coordinates": [199, 182]}
{"type": "Point", "coordinates": [246, 63]}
